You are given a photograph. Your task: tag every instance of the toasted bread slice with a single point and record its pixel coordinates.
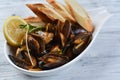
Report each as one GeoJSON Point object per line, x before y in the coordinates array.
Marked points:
{"type": "Point", "coordinates": [42, 16]}
{"type": "Point", "coordinates": [80, 15]}
{"type": "Point", "coordinates": [35, 21]}
{"type": "Point", "coordinates": [50, 12]}
{"type": "Point", "coordinates": [32, 19]}
{"type": "Point", "coordinates": [61, 9]}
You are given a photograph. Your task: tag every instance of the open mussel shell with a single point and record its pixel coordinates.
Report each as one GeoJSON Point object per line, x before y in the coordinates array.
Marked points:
{"type": "Point", "coordinates": [82, 43]}
{"type": "Point", "coordinates": [49, 27]}
{"type": "Point", "coordinates": [58, 28]}
{"type": "Point", "coordinates": [36, 43]}
{"type": "Point", "coordinates": [77, 44]}
{"type": "Point", "coordinates": [50, 61]}
{"type": "Point", "coordinates": [58, 25]}
{"type": "Point", "coordinates": [33, 45]}
{"type": "Point", "coordinates": [77, 29]}
{"type": "Point", "coordinates": [21, 63]}
{"type": "Point", "coordinates": [66, 30]}
{"type": "Point", "coordinates": [65, 33]}
{"type": "Point", "coordinates": [69, 52]}
{"type": "Point", "coordinates": [61, 31]}
{"type": "Point", "coordinates": [22, 55]}
{"type": "Point", "coordinates": [40, 41]}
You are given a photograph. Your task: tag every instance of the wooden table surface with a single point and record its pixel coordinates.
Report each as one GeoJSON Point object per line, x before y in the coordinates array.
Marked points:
{"type": "Point", "coordinates": [102, 62]}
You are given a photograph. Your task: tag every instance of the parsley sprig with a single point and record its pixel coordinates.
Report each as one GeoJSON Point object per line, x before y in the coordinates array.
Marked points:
{"type": "Point", "coordinates": [30, 27]}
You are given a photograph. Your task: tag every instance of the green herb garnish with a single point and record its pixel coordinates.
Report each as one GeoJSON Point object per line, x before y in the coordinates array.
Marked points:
{"type": "Point", "coordinates": [30, 27]}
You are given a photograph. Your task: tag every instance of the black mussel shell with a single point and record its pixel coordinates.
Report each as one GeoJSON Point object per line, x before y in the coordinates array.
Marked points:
{"type": "Point", "coordinates": [65, 33]}
{"type": "Point", "coordinates": [77, 28]}
{"type": "Point", "coordinates": [66, 30]}
{"type": "Point", "coordinates": [85, 40]}
{"type": "Point", "coordinates": [50, 61]}
{"type": "Point", "coordinates": [40, 41]}
{"type": "Point", "coordinates": [20, 63]}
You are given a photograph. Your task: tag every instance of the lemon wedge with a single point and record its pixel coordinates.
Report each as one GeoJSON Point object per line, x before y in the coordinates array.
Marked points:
{"type": "Point", "coordinates": [12, 32]}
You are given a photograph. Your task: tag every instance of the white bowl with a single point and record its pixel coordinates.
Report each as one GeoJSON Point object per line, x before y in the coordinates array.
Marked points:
{"type": "Point", "coordinates": [99, 16]}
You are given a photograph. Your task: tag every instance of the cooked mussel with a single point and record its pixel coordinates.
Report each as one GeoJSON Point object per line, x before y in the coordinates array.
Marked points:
{"type": "Point", "coordinates": [33, 44]}
{"type": "Point", "coordinates": [40, 40]}
{"type": "Point", "coordinates": [81, 42]}
{"type": "Point", "coordinates": [66, 30]}
{"type": "Point", "coordinates": [36, 43]}
{"type": "Point", "coordinates": [21, 62]}
{"type": "Point", "coordinates": [77, 44]}
{"type": "Point", "coordinates": [65, 33]}
{"type": "Point", "coordinates": [22, 55]}
{"type": "Point", "coordinates": [77, 28]}
{"type": "Point", "coordinates": [52, 60]}
{"type": "Point", "coordinates": [58, 27]}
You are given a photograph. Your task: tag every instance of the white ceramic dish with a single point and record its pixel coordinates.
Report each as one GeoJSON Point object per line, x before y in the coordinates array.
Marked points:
{"type": "Point", "coordinates": [99, 16]}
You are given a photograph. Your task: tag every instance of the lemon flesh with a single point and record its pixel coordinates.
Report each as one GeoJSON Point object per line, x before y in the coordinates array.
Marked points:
{"type": "Point", "coordinates": [12, 32]}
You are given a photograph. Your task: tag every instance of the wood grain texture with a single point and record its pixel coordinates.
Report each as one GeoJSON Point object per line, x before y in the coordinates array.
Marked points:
{"type": "Point", "coordinates": [102, 62]}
